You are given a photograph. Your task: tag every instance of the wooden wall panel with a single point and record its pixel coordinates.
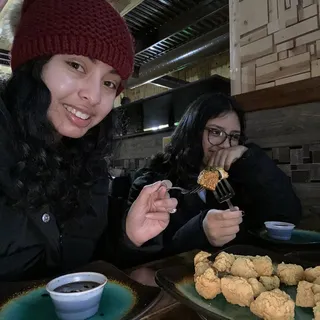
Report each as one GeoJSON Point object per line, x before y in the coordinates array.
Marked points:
{"type": "Point", "coordinates": [253, 15]}
{"type": "Point", "coordinates": [284, 46]}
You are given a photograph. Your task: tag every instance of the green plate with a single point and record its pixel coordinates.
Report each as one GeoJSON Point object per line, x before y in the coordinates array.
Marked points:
{"type": "Point", "coordinates": [299, 237]}
{"type": "Point", "coordinates": [178, 281]}
{"type": "Point", "coordinates": [122, 298]}
{"type": "Point", "coordinates": [117, 301]}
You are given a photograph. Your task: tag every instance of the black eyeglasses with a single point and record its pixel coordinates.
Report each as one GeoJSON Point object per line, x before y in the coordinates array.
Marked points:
{"type": "Point", "coordinates": [218, 136]}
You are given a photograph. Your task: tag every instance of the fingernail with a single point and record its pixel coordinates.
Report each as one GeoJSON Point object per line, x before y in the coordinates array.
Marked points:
{"type": "Point", "coordinates": [166, 183]}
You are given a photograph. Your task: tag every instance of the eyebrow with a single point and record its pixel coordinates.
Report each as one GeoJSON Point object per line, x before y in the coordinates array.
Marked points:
{"type": "Point", "coordinates": [114, 71]}
{"type": "Point", "coordinates": [215, 126]}
{"type": "Point", "coordinates": [211, 126]}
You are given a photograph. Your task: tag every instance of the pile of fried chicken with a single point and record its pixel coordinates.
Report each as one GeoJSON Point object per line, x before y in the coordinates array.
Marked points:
{"type": "Point", "coordinates": [254, 282]}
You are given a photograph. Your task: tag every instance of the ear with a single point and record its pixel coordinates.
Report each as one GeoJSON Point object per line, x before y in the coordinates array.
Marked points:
{"type": "Point", "coordinates": [10, 18]}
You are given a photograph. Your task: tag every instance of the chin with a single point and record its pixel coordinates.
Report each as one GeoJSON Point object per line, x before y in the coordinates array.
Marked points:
{"type": "Point", "coordinates": [74, 133]}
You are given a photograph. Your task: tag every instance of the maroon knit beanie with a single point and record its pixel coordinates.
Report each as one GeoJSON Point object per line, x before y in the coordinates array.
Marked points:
{"type": "Point", "coordinates": [91, 28]}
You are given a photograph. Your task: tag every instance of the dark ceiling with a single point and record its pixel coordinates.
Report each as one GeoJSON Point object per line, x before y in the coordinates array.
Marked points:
{"type": "Point", "coordinates": [160, 26]}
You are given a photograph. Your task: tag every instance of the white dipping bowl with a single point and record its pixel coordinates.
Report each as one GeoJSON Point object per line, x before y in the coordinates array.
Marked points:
{"type": "Point", "coordinates": [279, 230]}
{"type": "Point", "coordinates": [77, 305]}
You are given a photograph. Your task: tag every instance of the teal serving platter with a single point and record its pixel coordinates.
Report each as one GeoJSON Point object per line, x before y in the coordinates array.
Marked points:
{"type": "Point", "coordinates": [299, 237]}
{"type": "Point", "coordinates": [122, 298]}
{"type": "Point", "coordinates": [178, 281]}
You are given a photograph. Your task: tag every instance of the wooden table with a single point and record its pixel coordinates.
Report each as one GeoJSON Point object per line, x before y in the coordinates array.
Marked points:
{"type": "Point", "coordinates": [167, 308]}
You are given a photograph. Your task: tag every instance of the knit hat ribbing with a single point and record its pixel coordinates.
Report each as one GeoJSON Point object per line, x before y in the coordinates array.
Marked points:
{"type": "Point", "coordinates": [91, 28]}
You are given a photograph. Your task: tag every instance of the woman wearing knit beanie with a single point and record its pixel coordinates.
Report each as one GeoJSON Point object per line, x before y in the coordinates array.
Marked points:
{"type": "Point", "coordinates": [69, 60]}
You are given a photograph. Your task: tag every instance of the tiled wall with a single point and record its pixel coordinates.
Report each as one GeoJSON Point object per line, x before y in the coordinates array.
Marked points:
{"type": "Point", "coordinates": [301, 163]}
{"type": "Point", "coordinates": [273, 42]}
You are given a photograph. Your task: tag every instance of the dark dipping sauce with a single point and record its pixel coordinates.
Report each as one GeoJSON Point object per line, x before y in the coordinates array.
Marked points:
{"type": "Point", "coordinates": [80, 286]}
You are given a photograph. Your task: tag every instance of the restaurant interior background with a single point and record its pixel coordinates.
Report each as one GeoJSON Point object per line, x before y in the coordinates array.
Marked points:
{"type": "Point", "coordinates": [270, 61]}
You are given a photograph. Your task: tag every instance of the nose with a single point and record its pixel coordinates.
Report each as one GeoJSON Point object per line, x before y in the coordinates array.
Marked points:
{"type": "Point", "coordinates": [226, 144]}
{"type": "Point", "coordinates": [91, 91]}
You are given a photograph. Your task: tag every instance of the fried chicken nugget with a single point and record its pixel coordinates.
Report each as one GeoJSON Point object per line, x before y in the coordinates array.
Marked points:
{"type": "Point", "coordinates": [243, 267]}
{"type": "Point", "coordinates": [237, 290]}
{"type": "Point", "coordinates": [208, 285]}
{"type": "Point", "coordinates": [201, 267]}
{"type": "Point", "coordinates": [257, 286]}
{"type": "Point", "coordinates": [263, 265]}
{"type": "Point", "coordinates": [317, 281]}
{"type": "Point", "coordinates": [247, 257]}
{"type": "Point", "coordinates": [316, 291]}
{"type": "Point", "coordinates": [317, 298]}
{"type": "Point", "coordinates": [311, 274]}
{"type": "Point", "coordinates": [223, 262]}
{"type": "Point", "coordinates": [270, 283]}
{"type": "Point", "coordinates": [316, 312]}
{"type": "Point", "coordinates": [316, 288]}
{"type": "Point", "coordinates": [273, 305]}
{"type": "Point", "coordinates": [305, 295]}
{"type": "Point", "coordinates": [201, 256]}
{"type": "Point", "coordinates": [290, 274]}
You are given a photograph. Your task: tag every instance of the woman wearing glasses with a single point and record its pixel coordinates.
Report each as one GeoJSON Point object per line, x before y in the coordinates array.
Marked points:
{"type": "Point", "coordinates": [212, 132]}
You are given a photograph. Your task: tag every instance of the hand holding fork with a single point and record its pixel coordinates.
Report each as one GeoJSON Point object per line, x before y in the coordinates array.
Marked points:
{"type": "Point", "coordinates": [223, 193]}
{"type": "Point", "coordinates": [219, 226]}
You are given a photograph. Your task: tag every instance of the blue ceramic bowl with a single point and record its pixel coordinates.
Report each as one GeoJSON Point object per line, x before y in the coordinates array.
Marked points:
{"type": "Point", "coordinates": [77, 296]}
{"type": "Point", "coordinates": [279, 230]}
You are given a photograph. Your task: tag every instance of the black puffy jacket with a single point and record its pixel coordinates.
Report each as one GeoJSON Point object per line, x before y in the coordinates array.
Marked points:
{"type": "Point", "coordinates": [33, 244]}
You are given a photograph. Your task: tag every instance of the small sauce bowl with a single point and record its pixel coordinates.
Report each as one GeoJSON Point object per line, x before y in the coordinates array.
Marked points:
{"type": "Point", "coordinates": [279, 230]}
{"type": "Point", "coordinates": [77, 296]}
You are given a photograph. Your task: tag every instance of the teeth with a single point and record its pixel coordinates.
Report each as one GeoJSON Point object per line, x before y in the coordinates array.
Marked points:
{"type": "Point", "coordinates": [77, 113]}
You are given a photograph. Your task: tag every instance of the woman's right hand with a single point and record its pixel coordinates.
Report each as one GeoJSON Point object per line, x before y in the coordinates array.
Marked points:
{"type": "Point", "coordinates": [149, 215]}
{"type": "Point", "coordinates": [221, 226]}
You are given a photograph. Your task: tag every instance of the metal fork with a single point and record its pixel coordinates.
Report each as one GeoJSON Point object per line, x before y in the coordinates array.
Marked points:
{"type": "Point", "coordinates": [169, 186]}
{"type": "Point", "coordinates": [185, 191]}
{"type": "Point", "coordinates": [224, 192]}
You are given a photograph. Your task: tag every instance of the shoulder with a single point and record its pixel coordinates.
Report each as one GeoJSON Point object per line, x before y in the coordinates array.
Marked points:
{"type": "Point", "coordinates": [254, 147]}
{"type": "Point", "coordinates": [161, 163]}
{"type": "Point", "coordinates": [147, 176]}
{"type": "Point", "coordinates": [254, 157]}
{"type": "Point", "coordinates": [255, 152]}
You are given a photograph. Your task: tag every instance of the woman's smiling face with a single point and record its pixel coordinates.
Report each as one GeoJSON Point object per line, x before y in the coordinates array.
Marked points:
{"type": "Point", "coordinates": [83, 91]}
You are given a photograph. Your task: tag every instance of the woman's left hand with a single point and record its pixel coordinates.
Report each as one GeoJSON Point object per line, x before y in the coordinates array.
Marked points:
{"type": "Point", "coordinates": [149, 215]}
{"type": "Point", "coordinates": [224, 158]}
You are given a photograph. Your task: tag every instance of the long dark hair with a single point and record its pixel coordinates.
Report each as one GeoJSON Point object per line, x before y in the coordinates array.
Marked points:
{"type": "Point", "coordinates": [46, 171]}
{"type": "Point", "coordinates": [183, 155]}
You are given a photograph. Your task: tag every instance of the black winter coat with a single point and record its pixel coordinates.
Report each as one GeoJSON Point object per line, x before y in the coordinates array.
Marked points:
{"type": "Point", "coordinates": [33, 244]}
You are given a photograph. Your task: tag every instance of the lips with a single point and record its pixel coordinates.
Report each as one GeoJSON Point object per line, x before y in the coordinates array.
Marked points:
{"type": "Point", "coordinates": [77, 113]}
